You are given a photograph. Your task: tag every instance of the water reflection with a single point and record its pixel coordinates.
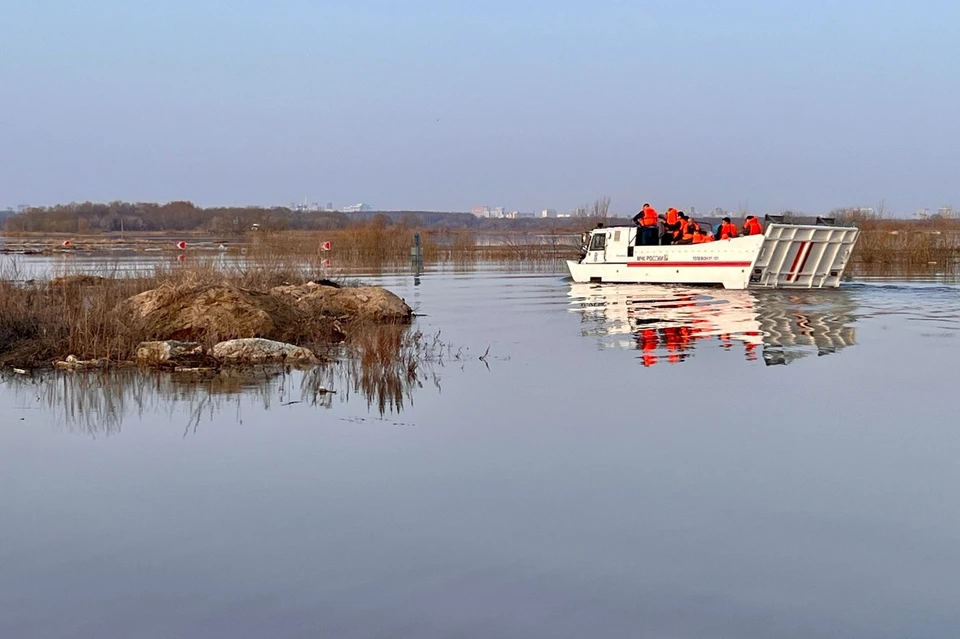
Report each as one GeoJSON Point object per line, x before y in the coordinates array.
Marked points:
{"type": "Point", "coordinates": [668, 324]}
{"type": "Point", "coordinates": [98, 403]}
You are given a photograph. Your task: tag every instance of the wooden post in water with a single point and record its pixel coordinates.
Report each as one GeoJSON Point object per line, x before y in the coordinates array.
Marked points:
{"type": "Point", "coordinates": [416, 257]}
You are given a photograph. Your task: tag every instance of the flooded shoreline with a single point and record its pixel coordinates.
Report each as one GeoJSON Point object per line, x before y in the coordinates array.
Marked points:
{"type": "Point", "coordinates": [661, 448]}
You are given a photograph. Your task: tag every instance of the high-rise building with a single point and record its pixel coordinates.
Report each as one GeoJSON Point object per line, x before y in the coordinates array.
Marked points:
{"type": "Point", "coordinates": [548, 213]}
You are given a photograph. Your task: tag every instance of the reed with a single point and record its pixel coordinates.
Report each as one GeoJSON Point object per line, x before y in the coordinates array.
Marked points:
{"type": "Point", "coordinates": [379, 245]}
{"type": "Point", "coordinates": [80, 314]}
{"type": "Point", "coordinates": [383, 368]}
{"type": "Point", "coordinates": [886, 243]}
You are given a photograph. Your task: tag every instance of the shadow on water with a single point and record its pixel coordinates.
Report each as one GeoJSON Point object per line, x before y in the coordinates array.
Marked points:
{"type": "Point", "coordinates": [384, 370]}
{"type": "Point", "coordinates": [669, 324]}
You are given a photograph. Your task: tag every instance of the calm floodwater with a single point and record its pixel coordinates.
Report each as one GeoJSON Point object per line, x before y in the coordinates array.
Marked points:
{"type": "Point", "coordinates": [629, 462]}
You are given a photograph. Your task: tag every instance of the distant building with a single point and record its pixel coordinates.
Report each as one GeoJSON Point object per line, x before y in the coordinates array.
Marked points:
{"type": "Point", "coordinates": [498, 212]}
{"type": "Point", "coordinates": [548, 213]}
{"type": "Point", "coordinates": [946, 212]}
{"type": "Point", "coordinates": [357, 208]}
{"type": "Point", "coordinates": [481, 210]}
{"type": "Point", "coordinates": [22, 207]}
{"type": "Point", "coordinates": [329, 208]}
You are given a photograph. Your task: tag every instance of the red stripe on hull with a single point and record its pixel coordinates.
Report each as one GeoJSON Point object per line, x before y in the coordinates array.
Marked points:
{"type": "Point", "coordinates": [688, 264]}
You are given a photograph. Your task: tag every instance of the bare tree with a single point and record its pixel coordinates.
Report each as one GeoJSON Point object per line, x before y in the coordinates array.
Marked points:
{"type": "Point", "coordinates": [600, 208]}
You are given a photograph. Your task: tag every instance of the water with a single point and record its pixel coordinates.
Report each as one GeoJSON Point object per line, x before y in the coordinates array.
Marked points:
{"type": "Point", "coordinates": [624, 462]}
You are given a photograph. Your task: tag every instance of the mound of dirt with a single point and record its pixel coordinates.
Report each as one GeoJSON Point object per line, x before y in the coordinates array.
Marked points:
{"type": "Point", "coordinates": [365, 302]}
{"type": "Point", "coordinates": [213, 312]}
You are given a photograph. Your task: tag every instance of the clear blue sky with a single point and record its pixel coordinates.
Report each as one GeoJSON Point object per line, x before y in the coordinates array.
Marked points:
{"type": "Point", "coordinates": [436, 104]}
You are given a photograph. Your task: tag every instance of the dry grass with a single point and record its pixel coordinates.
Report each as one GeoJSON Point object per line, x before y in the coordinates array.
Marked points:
{"type": "Point", "coordinates": [906, 243]}
{"type": "Point", "coordinates": [384, 368]}
{"type": "Point", "coordinates": [43, 321]}
{"type": "Point", "coordinates": [374, 245]}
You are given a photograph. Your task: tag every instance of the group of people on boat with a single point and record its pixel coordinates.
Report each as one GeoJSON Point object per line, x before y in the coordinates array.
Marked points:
{"type": "Point", "coordinates": [676, 227]}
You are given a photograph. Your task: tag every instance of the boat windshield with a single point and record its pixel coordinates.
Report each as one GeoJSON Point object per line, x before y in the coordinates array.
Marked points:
{"type": "Point", "coordinates": [598, 242]}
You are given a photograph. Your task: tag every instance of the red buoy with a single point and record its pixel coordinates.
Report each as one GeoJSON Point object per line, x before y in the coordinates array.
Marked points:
{"type": "Point", "coordinates": [66, 243]}
{"type": "Point", "coordinates": [325, 246]}
{"type": "Point", "coordinates": [181, 245]}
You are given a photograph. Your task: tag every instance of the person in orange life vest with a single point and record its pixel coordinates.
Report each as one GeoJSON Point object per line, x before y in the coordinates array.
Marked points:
{"type": "Point", "coordinates": [700, 236]}
{"type": "Point", "coordinates": [727, 230]}
{"type": "Point", "coordinates": [688, 234]}
{"type": "Point", "coordinates": [696, 225]}
{"type": "Point", "coordinates": [732, 230]}
{"type": "Point", "coordinates": [751, 226]}
{"type": "Point", "coordinates": [649, 233]}
{"type": "Point", "coordinates": [682, 224]}
{"type": "Point", "coordinates": [671, 225]}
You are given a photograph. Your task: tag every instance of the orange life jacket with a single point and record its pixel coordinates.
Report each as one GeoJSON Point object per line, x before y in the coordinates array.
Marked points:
{"type": "Point", "coordinates": [707, 238]}
{"type": "Point", "coordinates": [728, 230]}
{"type": "Point", "coordinates": [753, 227]}
{"type": "Point", "coordinates": [650, 216]}
{"type": "Point", "coordinates": [698, 238]}
{"type": "Point", "coordinates": [671, 216]}
{"type": "Point", "coordinates": [688, 235]}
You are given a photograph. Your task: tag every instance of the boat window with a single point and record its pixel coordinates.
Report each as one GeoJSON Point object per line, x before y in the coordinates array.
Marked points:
{"type": "Point", "coordinates": [616, 236]}
{"type": "Point", "coordinates": [598, 242]}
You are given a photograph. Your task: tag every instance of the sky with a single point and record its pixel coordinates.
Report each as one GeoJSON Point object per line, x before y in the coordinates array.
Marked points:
{"type": "Point", "coordinates": [440, 105]}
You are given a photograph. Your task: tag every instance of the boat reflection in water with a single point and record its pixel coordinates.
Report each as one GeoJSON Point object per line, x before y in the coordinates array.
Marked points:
{"type": "Point", "coordinates": [667, 323]}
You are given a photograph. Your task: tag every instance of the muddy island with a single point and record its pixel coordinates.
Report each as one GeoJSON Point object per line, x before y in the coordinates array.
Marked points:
{"type": "Point", "coordinates": [187, 321]}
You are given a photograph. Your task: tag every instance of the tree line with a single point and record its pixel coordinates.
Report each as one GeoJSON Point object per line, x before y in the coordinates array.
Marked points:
{"type": "Point", "coordinates": [112, 217]}
{"type": "Point", "coordinates": [93, 217]}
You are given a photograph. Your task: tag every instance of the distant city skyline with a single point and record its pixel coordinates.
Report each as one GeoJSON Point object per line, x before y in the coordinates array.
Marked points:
{"type": "Point", "coordinates": [776, 105]}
